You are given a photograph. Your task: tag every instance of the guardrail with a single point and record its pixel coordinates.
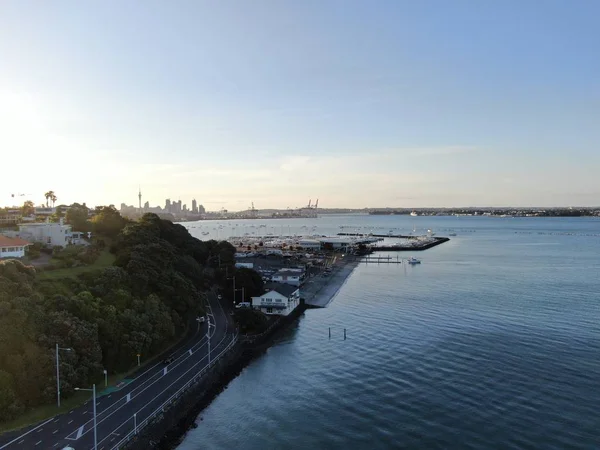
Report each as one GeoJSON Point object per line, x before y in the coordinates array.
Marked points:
{"type": "Point", "coordinates": [153, 416]}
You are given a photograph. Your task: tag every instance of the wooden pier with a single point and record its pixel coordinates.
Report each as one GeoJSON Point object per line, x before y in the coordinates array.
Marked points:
{"type": "Point", "coordinates": [382, 260]}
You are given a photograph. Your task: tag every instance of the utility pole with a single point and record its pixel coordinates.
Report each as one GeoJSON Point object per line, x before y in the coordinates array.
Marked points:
{"type": "Point", "coordinates": [68, 349]}
{"type": "Point", "coordinates": [93, 390]}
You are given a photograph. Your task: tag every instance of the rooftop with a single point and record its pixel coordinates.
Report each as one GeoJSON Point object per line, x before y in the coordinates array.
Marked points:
{"type": "Point", "coordinates": [13, 242]}
{"type": "Point", "coordinates": [284, 289]}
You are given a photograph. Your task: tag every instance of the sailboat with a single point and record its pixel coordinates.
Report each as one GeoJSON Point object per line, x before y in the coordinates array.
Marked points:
{"type": "Point", "coordinates": [414, 214]}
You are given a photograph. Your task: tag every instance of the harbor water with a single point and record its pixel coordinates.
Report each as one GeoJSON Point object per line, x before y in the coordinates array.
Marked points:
{"type": "Point", "coordinates": [493, 342]}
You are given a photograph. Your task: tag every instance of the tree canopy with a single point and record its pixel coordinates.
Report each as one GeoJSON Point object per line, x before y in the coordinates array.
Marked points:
{"type": "Point", "coordinates": [138, 305]}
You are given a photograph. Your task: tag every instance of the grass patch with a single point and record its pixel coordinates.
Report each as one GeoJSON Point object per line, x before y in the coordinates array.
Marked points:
{"type": "Point", "coordinates": [105, 259]}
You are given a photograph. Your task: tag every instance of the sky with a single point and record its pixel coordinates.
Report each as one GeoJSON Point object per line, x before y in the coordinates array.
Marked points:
{"type": "Point", "coordinates": [395, 103]}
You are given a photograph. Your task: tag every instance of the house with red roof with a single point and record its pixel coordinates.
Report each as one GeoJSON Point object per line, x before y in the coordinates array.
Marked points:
{"type": "Point", "coordinates": [12, 247]}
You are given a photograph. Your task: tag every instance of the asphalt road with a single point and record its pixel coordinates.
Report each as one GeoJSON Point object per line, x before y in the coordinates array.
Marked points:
{"type": "Point", "coordinates": [142, 396]}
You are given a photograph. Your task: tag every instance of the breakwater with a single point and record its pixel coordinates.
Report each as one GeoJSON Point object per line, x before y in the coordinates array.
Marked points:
{"type": "Point", "coordinates": [405, 248]}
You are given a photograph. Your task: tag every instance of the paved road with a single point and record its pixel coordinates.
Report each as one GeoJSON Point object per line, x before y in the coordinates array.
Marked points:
{"type": "Point", "coordinates": [115, 411]}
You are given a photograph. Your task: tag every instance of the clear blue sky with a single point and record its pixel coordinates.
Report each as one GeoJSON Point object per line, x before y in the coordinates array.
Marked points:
{"type": "Point", "coordinates": [358, 103]}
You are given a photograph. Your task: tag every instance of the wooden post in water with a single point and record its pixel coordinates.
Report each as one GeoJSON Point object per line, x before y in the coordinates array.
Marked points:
{"type": "Point", "coordinates": [344, 334]}
{"type": "Point", "coordinates": [329, 332]}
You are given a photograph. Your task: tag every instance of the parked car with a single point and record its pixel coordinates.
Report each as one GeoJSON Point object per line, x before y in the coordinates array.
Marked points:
{"type": "Point", "coordinates": [243, 305]}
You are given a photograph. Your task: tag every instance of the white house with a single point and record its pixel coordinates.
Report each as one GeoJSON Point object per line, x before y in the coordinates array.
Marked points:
{"type": "Point", "coordinates": [293, 277]}
{"type": "Point", "coordinates": [279, 299]}
{"type": "Point", "coordinates": [12, 247]}
{"type": "Point", "coordinates": [52, 234]}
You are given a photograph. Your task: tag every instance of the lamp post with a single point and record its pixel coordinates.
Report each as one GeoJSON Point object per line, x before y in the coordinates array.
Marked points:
{"type": "Point", "coordinates": [67, 349]}
{"type": "Point", "coordinates": [208, 337]}
{"type": "Point", "coordinates": [105, 378]}
{"type": "Point", "coordinates": [93, 391]}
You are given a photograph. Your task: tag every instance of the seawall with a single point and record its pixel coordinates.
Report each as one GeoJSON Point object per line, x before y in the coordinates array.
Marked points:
{"type": "Point", "coordinates": [168, 431]}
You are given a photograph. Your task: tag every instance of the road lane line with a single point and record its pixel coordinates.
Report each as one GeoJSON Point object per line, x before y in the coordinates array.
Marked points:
{"type": "Point", "coordinates": [225, 336]}
{"type": "Point", "coordinates": [70, 422]}
{"type": "Point", "coordinates": [38, 442]}
{"type": "Point", "coordinates": [57, 420]}
{"type": "Point", "coordinates": [25, 434]}
{"type": "Point", "coordinates": [199, 344]}
{"type": "Point", "coordinates": [127, 422]}
{"type": "Point", "coordinates": [21, 441]}
{"type": "Point", "coordinates": [79, 432]}
{"type": "Point", "coordinates": [39, 430]}
{"type": "Point", "coordinates": [55, 431]}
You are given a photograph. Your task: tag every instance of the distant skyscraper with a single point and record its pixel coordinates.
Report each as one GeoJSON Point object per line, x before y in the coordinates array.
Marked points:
{"type": "Point", "coordinates": [168, 205]}
{"type": "Point", "coordinates": [201, 209]}
{"type": "Point", "coordinates": [140, 197]}
{"type": "Point", "coordinates": [146, 206]}
{"type": "Point", "coordinates": [194, 206]}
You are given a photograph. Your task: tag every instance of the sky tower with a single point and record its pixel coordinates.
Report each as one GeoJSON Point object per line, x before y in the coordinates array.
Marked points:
{"type": "Point", "coordinates": [140, 197]}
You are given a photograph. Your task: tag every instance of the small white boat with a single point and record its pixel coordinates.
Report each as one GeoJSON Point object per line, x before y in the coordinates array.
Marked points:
{"type": "Point", "coordinates": [413, 260]}
{"type": "Point", "coordinates": [414, 213]}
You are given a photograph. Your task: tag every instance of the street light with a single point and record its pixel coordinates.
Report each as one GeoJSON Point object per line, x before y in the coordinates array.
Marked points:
{"type": "Point", "coordinates": [208, 337]}
{"type": "Point", "coordinates": [93, 390]}
{"type": "Point", "coordinates": [68, 349]}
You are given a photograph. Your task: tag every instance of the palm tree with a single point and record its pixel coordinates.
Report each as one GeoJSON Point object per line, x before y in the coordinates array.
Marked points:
{"type": "Point", "coordinates": [53, 199]}
{"type": "Point", "coordinates": [48, 196]}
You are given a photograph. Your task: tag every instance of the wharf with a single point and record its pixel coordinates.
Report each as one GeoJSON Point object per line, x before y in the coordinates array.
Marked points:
{"type": "Point", "coordinates": [407, 248]}
{"type": "Point", "coordinates": [382, 260]}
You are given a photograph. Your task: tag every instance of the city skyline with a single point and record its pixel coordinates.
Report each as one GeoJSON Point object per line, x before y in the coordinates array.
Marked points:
{"type": "Point", "coordinates": [405, 104]}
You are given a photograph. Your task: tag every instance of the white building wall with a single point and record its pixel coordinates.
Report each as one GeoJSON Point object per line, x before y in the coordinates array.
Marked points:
{"type": "Point", "coordinates": [293, 280]}
{"type": "Point", "coordinates": [12, 252]}
{"type": "Point", "coordinates": [267, 303]}
{"type": "Point", "coordinates": [53, 234]}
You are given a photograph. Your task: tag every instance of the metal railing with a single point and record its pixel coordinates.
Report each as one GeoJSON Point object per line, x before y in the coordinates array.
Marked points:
{"type": "Point", "coordinates": [154, 414]}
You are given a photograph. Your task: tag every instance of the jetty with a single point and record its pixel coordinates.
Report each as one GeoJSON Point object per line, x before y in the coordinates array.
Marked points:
{"type": "Point", "coordinates": [412, 243]}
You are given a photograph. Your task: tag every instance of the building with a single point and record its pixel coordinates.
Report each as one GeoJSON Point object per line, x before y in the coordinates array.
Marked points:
{"type": "Point", "coordinates": [12, 247]}
{"type": "Point", "coordinates": [312, 244]}
{"type": "Point", "coordinates": [51, 234]}
{"type": "Point", "coordinates": [44, 211]}
{"type": "Point", "coordinates": [10, 217]}
{"type": "Point", "coordinates": [279, 299]}
{"type": "Point", "coordinates": [194, 206]}
{"type": "Point", "coordinates": [293, 277]}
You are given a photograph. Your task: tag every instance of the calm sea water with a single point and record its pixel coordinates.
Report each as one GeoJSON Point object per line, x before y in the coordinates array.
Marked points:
{"type": "Point", "coordinates": [493, 342]}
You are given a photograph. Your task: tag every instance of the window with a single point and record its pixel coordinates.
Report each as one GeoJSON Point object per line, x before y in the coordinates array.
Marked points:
{"type": "Point", "coordinates": [269, 310]}
{"type": "Point", "coordinates": [278, 300]}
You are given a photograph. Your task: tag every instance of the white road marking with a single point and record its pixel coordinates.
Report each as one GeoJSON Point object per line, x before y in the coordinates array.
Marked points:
{"type": "Point", "coordinates": [80, 432]}
{"type": "Point", "coordinates": [25, 434]}
{"type": "Point", "coordinates": [21, 441]}
{"type": "Point", "coordinates": [55, 431]}
{"type": "Point", "coordinates": [57, 420]}
{"type": "Point", "coordinates": [38, 443]}
{"type": "Point", "coordinates": [71, 412]}
{"type": "Point", "coordinates": [178, 379]}
{"type": "Point", "coordinates": [70, 422]}
{"type": "Point", "coordinates": [39, 430]}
